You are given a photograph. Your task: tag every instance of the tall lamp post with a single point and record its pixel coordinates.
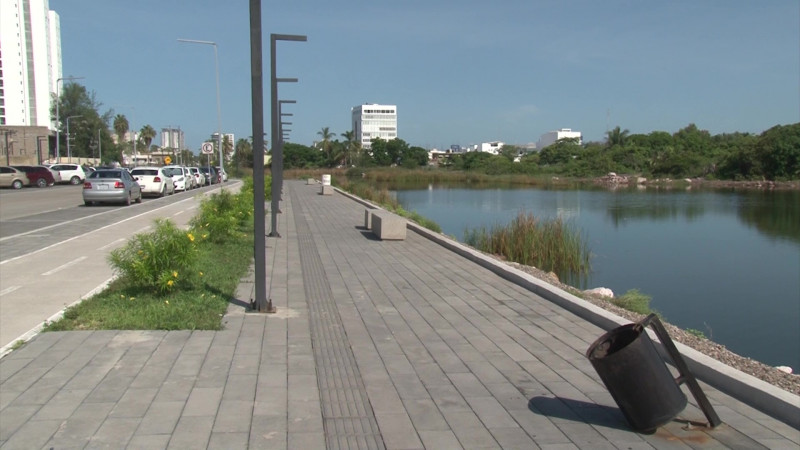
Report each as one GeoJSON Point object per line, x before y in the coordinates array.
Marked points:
{"type": "Point", "coordinates": [277, 151]}
{"type": "Point", "coordinates": [219, 110]}
{"type": "Point", "coordinates": [69, 154]}
{"type": "Point", "coordinates": [58, 117]}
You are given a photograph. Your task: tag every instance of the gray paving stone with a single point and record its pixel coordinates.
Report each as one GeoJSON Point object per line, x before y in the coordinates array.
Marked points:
{"type": "Point", "coordinates": [203, 402]}
{"type": "Point", "coordinates": [192, 432]}
{"type": "Point", "coordinates": [160, 419]}
{"type": "Point", "coordinates": [32, 434]}
{"type": "Point", "coordinates": [149, 442]}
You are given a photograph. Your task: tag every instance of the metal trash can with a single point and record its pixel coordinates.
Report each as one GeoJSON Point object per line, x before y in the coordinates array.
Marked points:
{"type": "Point", "coordinates": [636, 376]}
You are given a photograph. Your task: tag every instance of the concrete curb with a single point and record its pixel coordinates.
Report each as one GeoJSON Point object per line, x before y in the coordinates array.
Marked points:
{"type": "Point", "coordinates": [771, 400]}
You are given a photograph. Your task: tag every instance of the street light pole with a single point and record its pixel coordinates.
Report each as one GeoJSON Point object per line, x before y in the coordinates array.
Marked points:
{"type": "Point", "coordinates": [69, 154]}
{"type": "Point", "coordinates": [277, 151]}
{"type": "Point", "coordinates": [58, 117]}
{"type": "Point", "coordinates": [219, 108]}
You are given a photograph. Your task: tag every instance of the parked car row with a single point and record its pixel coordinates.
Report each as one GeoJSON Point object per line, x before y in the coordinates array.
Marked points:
{"type": "Point", "coordinates": [18, 176]}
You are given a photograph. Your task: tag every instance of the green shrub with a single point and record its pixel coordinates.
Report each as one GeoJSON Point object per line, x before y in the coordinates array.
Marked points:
{"type": "Point", "coordinates": [162, 260]}
{"type": "Point", "coordinates": [635, 301]}
{"type": "Point", "coordinates": [221, 216]}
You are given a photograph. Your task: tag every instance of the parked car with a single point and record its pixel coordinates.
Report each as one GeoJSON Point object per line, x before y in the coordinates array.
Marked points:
{"type": "Point", "coordinates": [38, 175]}
{"type": "Point", "coordinates": [222, 174]}
{"type": "Point", "coordinates": [153, 180]}
{"type": "Point", "coordinates": [13, 178]}
{"type": "Point", "coordinates": [182, 179]}
{"type": "Point", "coordinates": [111, 186]}
{"type": "Point", "coordinates": [199, 177]}
{"type": "Point", "coordinates": [212, 177]}
{"type": "Point", "coordinates": [70, 173]}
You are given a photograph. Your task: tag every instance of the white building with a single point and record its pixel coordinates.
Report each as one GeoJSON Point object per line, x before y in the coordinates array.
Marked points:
{"type": "Point", "coordinates": [228, 136]}
{"type": "Point", "coordinates": [373, 120]}
{"type": "Point", "coordinates": [553, 136]}
{"type": "Point", "coordinates": [30, 59]}
{"type": "Point", "coordinates": [491, 147]}
{"type": "Point", "coordinates": [172, 138]}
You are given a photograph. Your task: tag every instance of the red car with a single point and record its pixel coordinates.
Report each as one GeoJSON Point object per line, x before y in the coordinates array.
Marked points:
{"type": "Point", "coordinates": [38, 175]}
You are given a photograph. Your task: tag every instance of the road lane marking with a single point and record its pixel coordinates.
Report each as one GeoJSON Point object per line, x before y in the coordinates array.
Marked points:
{"type": "Point", "coordinates": [178, 213]}
{"type": "Point", "coordinates": [9, 290]}
{"type": "Point", "coordinates": [84, 234]}
{"type": "Point", "coordinates": [111, 244]}
{"type": "Point", "coordinates": [64, 266]}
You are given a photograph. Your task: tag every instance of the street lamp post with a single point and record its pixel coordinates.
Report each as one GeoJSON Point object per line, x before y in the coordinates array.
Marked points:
{"type": "Point", "coordinates": [58, 117]}
{"type": "Point", "coordinates": [277, 151]}
{"type": "Point", "coordinates": [219, 109]}
{"type": "Point", "coordinates": [69, 154]}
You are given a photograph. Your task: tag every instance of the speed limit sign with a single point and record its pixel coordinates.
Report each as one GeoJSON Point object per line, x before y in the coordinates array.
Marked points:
{"type": "Point", "coordinates": [207, 148]}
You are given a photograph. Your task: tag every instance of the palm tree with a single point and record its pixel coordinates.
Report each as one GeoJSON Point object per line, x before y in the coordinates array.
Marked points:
{"type": "Point", "coordinates": [351, 145]}
{"type": "Point", "coordinates": [617, 137]}
{"type": "Point", "coordinates": [120, 127]}
{"type": "Point", "coordinates": [147, 134]}
{"type": "Point", "coordinates": [326, 135]}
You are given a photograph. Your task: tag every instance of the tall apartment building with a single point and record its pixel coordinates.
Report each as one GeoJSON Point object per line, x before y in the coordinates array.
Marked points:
{"type": "Point", "coordinates": [373, 120]}
{"type": "Point", "coordinates": [30, 62]}
{"type": "Point", "coordinates": [172, 138]}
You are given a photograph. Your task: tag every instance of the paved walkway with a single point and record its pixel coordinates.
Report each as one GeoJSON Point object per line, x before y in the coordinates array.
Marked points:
{"type": "Point", "coordinates": [376, 344]}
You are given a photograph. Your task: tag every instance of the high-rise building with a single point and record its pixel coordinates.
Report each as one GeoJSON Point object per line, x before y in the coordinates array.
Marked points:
{"type": "Point", "coordinates": [30, 62]}
{"type": "Point", "coordinates": [172, 138]}
{"type": "Point", "coordinates": [372, 121]}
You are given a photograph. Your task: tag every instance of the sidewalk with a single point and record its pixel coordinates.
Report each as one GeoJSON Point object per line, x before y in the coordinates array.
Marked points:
{"type": "Point", "coordinates": [376, 344]}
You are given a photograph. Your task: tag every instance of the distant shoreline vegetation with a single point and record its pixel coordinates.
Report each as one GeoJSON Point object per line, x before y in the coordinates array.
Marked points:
{"type": "Point", "coordinates": [689, 153]}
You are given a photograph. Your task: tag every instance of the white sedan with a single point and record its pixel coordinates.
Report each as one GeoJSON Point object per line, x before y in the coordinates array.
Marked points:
{"type": "Point", "coordinates": [154, 181]}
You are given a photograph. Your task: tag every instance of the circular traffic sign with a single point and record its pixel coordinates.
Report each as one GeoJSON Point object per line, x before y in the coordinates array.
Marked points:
{"type": "Point", "coordinates": [207, 148]}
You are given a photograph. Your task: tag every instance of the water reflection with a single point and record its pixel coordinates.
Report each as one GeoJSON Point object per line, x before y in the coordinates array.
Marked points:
{"type": "Point", "coordinates": [775, 214]}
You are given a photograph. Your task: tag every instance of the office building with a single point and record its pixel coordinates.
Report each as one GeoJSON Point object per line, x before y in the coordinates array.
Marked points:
{"type": "Point", "coordinates": [372, 121]}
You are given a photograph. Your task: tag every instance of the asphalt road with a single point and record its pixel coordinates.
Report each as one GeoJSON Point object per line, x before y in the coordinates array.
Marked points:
{"type": "Point", "coordinates": [53, 249]}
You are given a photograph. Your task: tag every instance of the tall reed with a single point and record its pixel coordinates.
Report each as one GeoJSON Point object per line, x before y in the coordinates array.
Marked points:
{"type": "Point", "coordinates": [550, 245]}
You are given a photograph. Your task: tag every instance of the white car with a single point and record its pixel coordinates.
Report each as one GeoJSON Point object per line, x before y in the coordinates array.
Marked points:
{"type": "Point", "coordinates": [70, 173]}
{"type": "Point", "coordinates": [154, 181]}
{"type": "Point", "coordinates": [181, 177]}
{"type": "Point", "coordinates": [199, 177]}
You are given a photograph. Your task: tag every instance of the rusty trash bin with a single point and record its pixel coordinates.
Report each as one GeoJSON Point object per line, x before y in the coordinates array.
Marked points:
{"type": "Point", "coordinates": [628, 363]}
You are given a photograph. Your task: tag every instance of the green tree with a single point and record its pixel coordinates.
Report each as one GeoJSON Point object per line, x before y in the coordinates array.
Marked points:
{"type": "Point", "coordinates": [414, 157]}
{"type": "Point", "coordinates": [617, 137]}
{"type": "Point", "coordinates": [563, 151]}
{"type": "Point", "coordinates": [352, 148]}
{"type": "Point", "coordinates": [243, 156]}
{"type": "Point", "coordinates": [120, 126]}
{"type": "Point", "coordinates": [75, 100]}
{"type": "Point", "coordinates": [326, 134]}
{"type": "Point", "coordinates": [778, 150]}
{"type": "Point", "coordinates": [147, 134]}
{"type": "Point", "coordinates": [296, 156]}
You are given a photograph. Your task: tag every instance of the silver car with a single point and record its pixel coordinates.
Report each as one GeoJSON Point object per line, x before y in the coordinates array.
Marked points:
{"type": "Point", "coordinates": [111, 186]}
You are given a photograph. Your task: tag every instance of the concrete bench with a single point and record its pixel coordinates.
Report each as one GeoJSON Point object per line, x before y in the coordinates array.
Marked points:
{"type": "Point", "coordinates": [388, 226]}
{"type": "Point", "coordinates": [326, 189]}
{"type": "Point", "coordinates": [311, 181]}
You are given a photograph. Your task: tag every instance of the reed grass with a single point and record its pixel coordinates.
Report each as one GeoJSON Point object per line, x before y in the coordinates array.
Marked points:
{"type": "Point", "coordinates": [550, 245]}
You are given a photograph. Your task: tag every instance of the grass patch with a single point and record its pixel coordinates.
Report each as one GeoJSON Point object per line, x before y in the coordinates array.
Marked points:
{"type": "Point", "coordinates": [635, 301]}
{"type": "Point", "coordinates": [550, 245]}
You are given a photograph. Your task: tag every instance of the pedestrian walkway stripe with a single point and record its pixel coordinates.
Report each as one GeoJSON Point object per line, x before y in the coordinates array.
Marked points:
{"type": "Point", "coordinates": [348, 417]}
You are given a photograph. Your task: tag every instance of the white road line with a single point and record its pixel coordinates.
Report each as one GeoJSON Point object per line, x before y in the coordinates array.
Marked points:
{"type": "Point", "coordinates": [64, 266]}
{"type": "Point", "coordinates": [84, 234]}
{"type": "Point", "coordinates": [178, 213]}
{"type": "Point", "coordinates": [111, 244]}
{"type": "Point", "coordinates": [9, 290]}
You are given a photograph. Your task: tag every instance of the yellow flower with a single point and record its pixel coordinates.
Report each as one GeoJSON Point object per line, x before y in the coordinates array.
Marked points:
{"type": "Point", "coordinates": [133, 298]}
{"type": "Point", "coordinates": [191, 238]}
{"type": "Point", "coordinates": [170, 283]}
{"type": "Point", "coordinates": [201, 274]}
{"type": "Point", "coordinates": [166, 302]}
{"type": "Point", "coordinates": [121, 296]}
{"type": "Point", "coordinates": [175, 274]}
{"type": "Point", "coordinates": [205, 236]}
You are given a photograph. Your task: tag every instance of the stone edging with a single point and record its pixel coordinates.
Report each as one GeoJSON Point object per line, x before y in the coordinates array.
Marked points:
{"type": "Point", "coordinates": [776, 402]}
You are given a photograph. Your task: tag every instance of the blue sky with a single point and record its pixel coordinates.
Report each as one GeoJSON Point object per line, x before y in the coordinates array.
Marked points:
{"type": "Point", "coordinates": [460, 72]}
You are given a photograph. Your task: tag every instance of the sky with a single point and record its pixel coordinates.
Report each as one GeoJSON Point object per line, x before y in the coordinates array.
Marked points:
{"type": "Point", "coordinates": [460, 72]}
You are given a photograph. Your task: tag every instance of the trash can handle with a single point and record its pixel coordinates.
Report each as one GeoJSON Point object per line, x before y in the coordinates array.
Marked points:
{"type": "Point", "coordinates": [687, 376]}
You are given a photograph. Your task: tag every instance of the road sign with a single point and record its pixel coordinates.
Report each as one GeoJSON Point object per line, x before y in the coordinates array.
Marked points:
{"type": "Point", "coordinates": [207, 148]}
{"type": "Point", "coordinates": [167, 160]}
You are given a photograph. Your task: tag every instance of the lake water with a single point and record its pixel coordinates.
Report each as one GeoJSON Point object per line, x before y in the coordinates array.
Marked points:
{"type": "Point", "coordinates": [726, 263]}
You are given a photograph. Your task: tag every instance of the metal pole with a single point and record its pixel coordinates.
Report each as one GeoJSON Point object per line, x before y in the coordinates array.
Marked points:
{"type": "Point", "coordinates": [100, 147]}
{"type": "Point", "coordinates": [260, 302]}
{"type": "Point", "coordinates": [69, 154]}
{"type": "Point", "coordinates": [277, 152]}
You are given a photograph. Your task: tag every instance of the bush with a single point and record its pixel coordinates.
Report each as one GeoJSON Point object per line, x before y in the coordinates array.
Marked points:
{"type": "Point", "coordinates": [162, 260]}
{"type": "Point", "coordinates": [635, 301]}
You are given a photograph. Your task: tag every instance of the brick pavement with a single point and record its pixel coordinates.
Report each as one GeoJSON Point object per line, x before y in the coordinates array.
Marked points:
{"type": "Point", "coordinates": [376, 344]}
